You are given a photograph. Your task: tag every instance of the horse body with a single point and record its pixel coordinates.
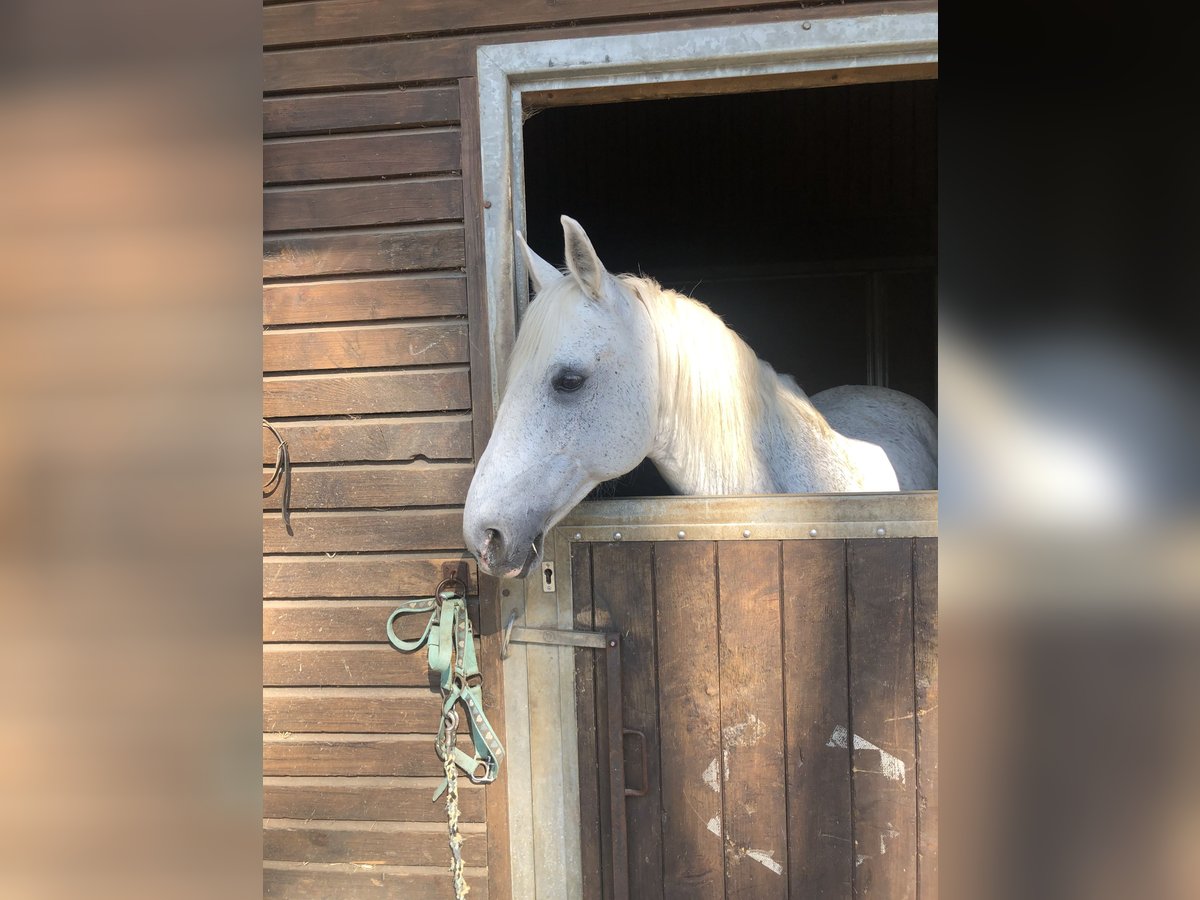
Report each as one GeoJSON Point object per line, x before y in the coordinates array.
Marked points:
{"type": "Point", "coordinates": [608, 370]}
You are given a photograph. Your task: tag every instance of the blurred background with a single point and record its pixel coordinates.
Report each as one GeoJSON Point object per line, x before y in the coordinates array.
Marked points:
{"type": "Point", "coordinates": [130, 365]}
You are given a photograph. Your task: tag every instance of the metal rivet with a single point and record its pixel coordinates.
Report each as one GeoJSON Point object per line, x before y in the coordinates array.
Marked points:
{"type": "Point", "coordinates": [812, 532]}
{"type": "Point", "coordinates": [578, 536]}
{"type": "Point", "coordinates": [806, 26]}
{"type": "Point", "coordinates": [612, 643]}
{"type": "Point", "coordinates": [616, 535]}
{"type": "Point", "coordinates": [681, 535]}
{"type": "Point", "coordinates": [487, 204]}
{"type": "Point", "coordinates": [505, 592]}
{"type": "Point", "coordinates": [746, 533]}
{"type": "Point", "coordinates": [881, 531]}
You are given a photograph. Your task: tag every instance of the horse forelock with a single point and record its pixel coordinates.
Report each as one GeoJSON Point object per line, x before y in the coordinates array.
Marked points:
{"type": "Point", "coordinates": [548, 320]}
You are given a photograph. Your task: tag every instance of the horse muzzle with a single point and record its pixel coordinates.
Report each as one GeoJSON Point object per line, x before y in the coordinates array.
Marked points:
{"type": "Point", "coordinates": [496, 557]}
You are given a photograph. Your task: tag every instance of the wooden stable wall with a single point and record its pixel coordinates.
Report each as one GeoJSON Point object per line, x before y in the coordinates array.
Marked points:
{"type": "Point", "coordinates": [372, 354]}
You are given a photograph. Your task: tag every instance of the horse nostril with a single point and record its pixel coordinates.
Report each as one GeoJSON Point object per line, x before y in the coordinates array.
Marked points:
{"type": "Point", "coordinates": [493, 544]}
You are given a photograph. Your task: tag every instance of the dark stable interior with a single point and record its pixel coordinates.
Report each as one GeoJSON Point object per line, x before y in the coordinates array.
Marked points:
{"type": "Point", "coordinates": [807, 219]}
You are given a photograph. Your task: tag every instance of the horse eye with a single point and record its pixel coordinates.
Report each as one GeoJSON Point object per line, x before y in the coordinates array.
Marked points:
{"type": "Point", "coordinates": [567, 382]}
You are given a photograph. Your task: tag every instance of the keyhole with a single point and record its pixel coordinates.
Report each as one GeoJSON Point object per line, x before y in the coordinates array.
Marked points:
{"type": "Point", "coordinates": [549, 573]}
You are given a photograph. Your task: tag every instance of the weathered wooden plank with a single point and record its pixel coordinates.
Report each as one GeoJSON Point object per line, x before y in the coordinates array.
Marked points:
{"type": "Point", "coordinates": [316, 881]}
{"type": "Point", "coordinates": [337, 20]}
{"type": "Point", "coordinates": [354, 754]}
{"type": "Point", "coordinates": [360, 109]}
{"type": "Point", "coordinates": [881, 734]}
{"type": "Point", "coordinates": [588, 667]}
{"type": "Point", "coordinates": [364, 346]}
{"type": "Point", "coordinates": [289, 621]}
{"type": "Point", "coordinates": [371, 798]}
{"type": "Point", "coordinates": [415, 529]}
{"type": "Point", "coordinates": [379, 203]}
{"type": "Point", "coordinates": [431, 59]}
{"type": "Point", "coordinates": [372, 440]}
{"type": "Point", "coordinates": [352, 710]}
{"type": "Point", "coordinates": [754, 826]}
{"type": "Point", "coordinates": [333, 665]}
{"type": "Point", "coordinates": [360, 299]}
{"type": "Point", "coordinates": [359, 576]}
{"type": "Point", "coordinates": [437, 390]}
{"type": "Point", "coordinates": [369, 843]}
{"type": "Point", "coordinates": [399, 250]}
{"type": "Point", "coordinates": [685, 585]}
{"type": "Point", "coordinates": [622, 584]}
{"type": "Point", "coordinates": [925, 638]}
{"type": "Point", "coordinates": [475, 253]}
{"type": "Point", "coordinates": [346, 487]}
{"type": "Point", "coordinates": [816, 696]}
{"type": "Point", "coordinates": [421, 151]}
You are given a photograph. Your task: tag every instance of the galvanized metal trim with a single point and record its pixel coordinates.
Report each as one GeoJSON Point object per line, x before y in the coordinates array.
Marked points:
{"type": "Point", "coordinates": [774, 517]}
{"type": "Point", "coordinates": [506, 71]}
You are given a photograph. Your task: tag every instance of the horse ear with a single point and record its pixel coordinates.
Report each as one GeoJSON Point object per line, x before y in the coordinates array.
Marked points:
{"type": "Point", "coordinates": [582, 260]}
{"type": "Point", "coordinates": [541, 273]}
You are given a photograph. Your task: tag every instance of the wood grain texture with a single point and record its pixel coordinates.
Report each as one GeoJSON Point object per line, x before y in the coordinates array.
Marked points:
{"type": "Point", "coordinates": [925, 637]}
{"type": "Point", "coordinates": [685, 585]}
{"type": "Point", "coordinates": [334, 665]}
{"type": "Point", "coordinates": [816, 689]}
{"type": "Point", "coordinates": [352, 710]}
{"type": "Point", "coordinates": [337, 20]}
{"type": "Point", "coordinates": [386, 63]}
{"type": "Point", "coordinates": [372, 440]}
{"type": "Point", "coordinates": [407, 755]}
{"type": "Point", "coordinates": [422, 151]}
{"type": "Point", "coordinates": [408, 249]}
{"type": "Point", "coordinates": [368, 843]}
{"type": "Point", "coordinates": [304, 881]}
{"type": "Point", "coordinates": [378, 203]}
{"type": "Point", "coordinates": [365, 798]}
{"type": "Point", "coordinates": [360, 299]}
{"type": "Point", "coordinates": [360, 576]}
{"type": "Point", "coordinates": [588, 667]}
{"type": "Point", "coordinates": [347, 487]}
{"type": "Point", "coordinates": [407, 530]}
{"type": "Point", "coordinates": [754, 824]}
{"type": "Point", "coordinates": [369, 798]}
{"type": "Point", "coordinates": [360, 109]}
{"type": "Point", "coordinates": [881, 698]}
{"type": "Point", "coordinates": [365, 346]}
{"type": "Point", "coordinates": [353, 621]}
{"type": "Point", "coordinates": [437, 390]}
{"type": "Point", "coordinates": [622, 584]}
{"type": "Point", "coordinates": [482, 413]}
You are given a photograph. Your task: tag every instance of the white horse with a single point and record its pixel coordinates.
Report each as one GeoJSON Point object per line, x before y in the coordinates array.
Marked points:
{"type": "Point", "coordinates": [610, 369]}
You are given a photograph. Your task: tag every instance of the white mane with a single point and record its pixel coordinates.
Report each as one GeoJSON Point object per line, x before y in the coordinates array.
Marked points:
{"type": "Point", "coordinates": [718, 402]}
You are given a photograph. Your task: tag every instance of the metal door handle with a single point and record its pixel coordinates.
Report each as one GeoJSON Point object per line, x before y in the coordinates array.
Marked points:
{"type": "Point", "coordinates": [636, 792]}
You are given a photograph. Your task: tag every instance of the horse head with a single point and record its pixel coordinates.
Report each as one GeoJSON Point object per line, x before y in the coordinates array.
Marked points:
{"type": "Point", "coordinates": [579, 406]}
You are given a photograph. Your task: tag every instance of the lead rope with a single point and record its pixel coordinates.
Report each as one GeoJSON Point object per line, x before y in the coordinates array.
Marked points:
{"type": "Point", "coordinates": [451, 643]}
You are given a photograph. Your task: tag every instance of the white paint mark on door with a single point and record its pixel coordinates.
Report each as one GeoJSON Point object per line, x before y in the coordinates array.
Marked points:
{"type": "Point", "coordinates": [889, 766]}
{"type": "Point", "coordinates": [767, 859]}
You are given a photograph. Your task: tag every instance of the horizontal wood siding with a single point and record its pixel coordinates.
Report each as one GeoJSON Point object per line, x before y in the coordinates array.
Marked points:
{"type": "Point", "coordinates": [342, 881]}
{"type": "Point", "coordinates": [367, 353]}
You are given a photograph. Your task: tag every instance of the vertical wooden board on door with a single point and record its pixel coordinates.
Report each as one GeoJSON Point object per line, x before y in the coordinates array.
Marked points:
{"type": "Point", "coordinates": [925, 648]}
{"type": "Point", "coordinates": [622, 582]}
{"type": "Point", "coordinates": [754, 824]}
{"type": "Point", "coordinates": [882, 734]}
{"type": "Point", "coordinates": [817, 702]}
{"type": "Point", "coordinates": [588, 663]}
{"type": "Point", "coordinates": [685, 588]}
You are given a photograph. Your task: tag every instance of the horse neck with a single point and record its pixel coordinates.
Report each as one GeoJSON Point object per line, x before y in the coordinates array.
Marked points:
{"type": "Point", "coordinates": [720, 413]}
